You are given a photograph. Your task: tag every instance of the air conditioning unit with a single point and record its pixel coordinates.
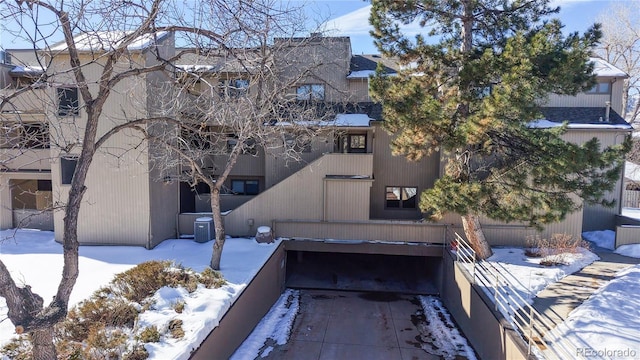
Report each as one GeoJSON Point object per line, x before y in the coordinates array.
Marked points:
{"type": "Point", "coordinates": [203, 229]}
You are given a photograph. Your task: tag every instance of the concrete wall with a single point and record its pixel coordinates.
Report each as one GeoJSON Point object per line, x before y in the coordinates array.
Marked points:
{"type": "Point", "coordinates": [247, 311]}
{"type": "Point", "coordinates": [486, 329]}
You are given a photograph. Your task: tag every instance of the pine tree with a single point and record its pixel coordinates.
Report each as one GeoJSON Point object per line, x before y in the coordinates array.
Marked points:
{"type": "Point", "coordinates": [469, 89]}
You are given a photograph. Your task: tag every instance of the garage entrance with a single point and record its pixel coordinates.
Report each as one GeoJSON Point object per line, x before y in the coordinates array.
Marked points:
{"type": "Point", "coordinates": [363, 272]}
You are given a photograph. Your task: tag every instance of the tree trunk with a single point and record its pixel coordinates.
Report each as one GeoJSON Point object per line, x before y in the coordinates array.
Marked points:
{"type": "Point", "coordinates": [475, 235]}
{"type": "Point", "coordinates": [43, 348]}
{"type": "Point", "coordinates": [218, 223]}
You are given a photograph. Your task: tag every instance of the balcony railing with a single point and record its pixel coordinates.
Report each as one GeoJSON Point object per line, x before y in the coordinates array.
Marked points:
{"type": "Point", "coordinates": [30, 102]}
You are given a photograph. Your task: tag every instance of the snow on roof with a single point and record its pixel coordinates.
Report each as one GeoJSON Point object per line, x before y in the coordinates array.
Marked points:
{"type": "Point", "coordinates": [27, 69]}
{"type": "Point", "coordinates": [354, 120]}
{"type": "Point", "coordinates": [107, 40]}
{"type": "Point", "coordinates": [341, 120]}
{"type": "Point", "coordinates": [603, 68]}
{"type": "Point", "coordinates": [632, 171]}
{"type": "Point", "coordinates": [196, 68]}
{"type": "Point", "coordinates": [546, 124]}
{"type": "Point", "coordinates": [362, 74]}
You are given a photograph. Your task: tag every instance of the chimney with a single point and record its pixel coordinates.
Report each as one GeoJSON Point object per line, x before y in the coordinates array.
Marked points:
{"type": "Point", "coordinates": [606, 114]}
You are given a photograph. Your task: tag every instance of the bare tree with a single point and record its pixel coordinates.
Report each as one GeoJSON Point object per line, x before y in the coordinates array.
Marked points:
{"type": "Point", "coordinates": [248, 102]}
{"type": "Point", "coordinates": [107, 48]}
{"type": "Point", "coordinates": [620, 46]}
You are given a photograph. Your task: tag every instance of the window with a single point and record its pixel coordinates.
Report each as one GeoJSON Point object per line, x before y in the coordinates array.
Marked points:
{"type": "Point", "coordinates": [298, 143]}
{"type": "Point", "coordinates": [44, 185]}
{"type": "Point", "coordinates": [357, 143]}
{"type": "Point", "coordinates": [67, 168]}
{"type": "Point", "coordinates": [249, 147]}
{"type": "Point", "coordinates": [68, 101]}
{"type": "Point", "coordinates": [310, 92]}
{"type": "Point", "coordinates": [196, 140]}
{"type": "Point", "coordinates": [245, 187]}
{"type": "Point", "coordinates": [400, 197]}
{"type": "Point", "coordinates": [28, 136]}
{"type": "Point", "coordinates": [234, 88]}
{"type": "Point", "coordinates": [36, 136]}
{"type": "Point", "coordinates": [600, 88]}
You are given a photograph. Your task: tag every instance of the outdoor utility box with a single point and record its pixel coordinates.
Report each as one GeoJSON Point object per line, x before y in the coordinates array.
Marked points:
{"type": "Point", "coordinates": [203, 229]}
{"type": "Point", "coordinates": [264, 235]}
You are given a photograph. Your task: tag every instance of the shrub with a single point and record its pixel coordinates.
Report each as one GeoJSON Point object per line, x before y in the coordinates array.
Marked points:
{"type": "Point", "coordinates": [103, 343]}
{"type": "Point", "coordinates": [138, 353]}
{"type": "Point", "coordinates": [142, 281]}
{"type": "Point", "coordinates": [211, 279]}
{"type": "Point", "coordinates": [175, 329]}
{"type": "Point", "coordinates": [179, 307]}
{"type": "Point", "coordinates": [555, 251]}
{"type": "Point", "coordinates": [18, 348]}
{"type": "Point", "coordinates": [100, 309]}
{"type": "Point", "coordinates": [149, 334]}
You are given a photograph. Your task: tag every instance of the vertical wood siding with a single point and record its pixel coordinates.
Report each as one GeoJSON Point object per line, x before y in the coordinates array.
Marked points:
{"type": "Point", "coordinates": [300, 196]}
{"type": "Point", "coordinates": [627, 234]}
{"type": "Point", "coordinates": [389, 170]}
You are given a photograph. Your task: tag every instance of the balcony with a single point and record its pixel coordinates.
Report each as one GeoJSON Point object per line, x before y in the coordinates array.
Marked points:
{"type": "Point", "coordinates": [25, 159]}
{"type": "Point", "coordinates": [30, 102]}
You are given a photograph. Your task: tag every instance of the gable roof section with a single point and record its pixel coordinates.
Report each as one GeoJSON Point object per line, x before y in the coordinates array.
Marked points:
{"type": "Point", "coordinates": [605, 69]}
{"type": "Point", "coordinates": [109, 40]}
{"type": "Point", "coordinates": [581, 118]}
{"type": "Point", "coordinates": [362, 66]}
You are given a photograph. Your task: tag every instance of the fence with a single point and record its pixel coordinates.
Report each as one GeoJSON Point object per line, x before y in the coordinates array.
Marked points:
{"type": "Point", "coordinates": [539, 332]}
{"type": "Point", "coordinates": [631, 198]}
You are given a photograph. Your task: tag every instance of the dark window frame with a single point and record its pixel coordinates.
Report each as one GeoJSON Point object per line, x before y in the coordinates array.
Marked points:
{"type": "Point", "coordinates": [600, 89]}
{"type": "Point", "coordinates": [247, 189]}
{"type": "Point", "coordinates": [311, 92]}
{"type": "Point", "coordinates": [250, 147]}
{"type": "Point", "coordinates": [297, 143]}
{"type": "Point", "coordinates": [35, 136]}
{"type": "Point", "coordinates": [409, 203]}
{"type": "Point", "coordinates": [359, 149]}
{"type": "Point", "coordinates": [68, 166]}
{"type": "Point", "coordinates": [233, 88]}
{"type": "Point", "coordinates": [68, 101]}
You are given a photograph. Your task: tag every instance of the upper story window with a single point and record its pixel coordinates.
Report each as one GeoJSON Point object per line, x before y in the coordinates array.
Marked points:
{"type": "Point", "coordinates": [198, 139]}
{"type": "Point", "coordinates": [400, 197]}
{"type": "Point", "coordinates": [234, 88]}
{"type": "Point", "coordinates": [310, 92]}
{"type": "Point", "coordinates": [249, 146]}
{"type": "Point", "coordinates": [245, 187]}
{"type": "Point", "coordinates": [600, 88]}
{"type": "Point", "coordinates": [26, 136]}
{"type": "Point", "coordinates": [67, 169]}
{"type": "Point", "coordinates": [68, 101]}
{"type": "Point", "coordinates": [36, 136]}
{"type": "Point", "coordinates": [297, 143]}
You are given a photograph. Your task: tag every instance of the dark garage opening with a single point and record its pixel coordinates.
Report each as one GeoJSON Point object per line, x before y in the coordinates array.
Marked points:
{"type": "Point", "coordinates": [363, 272]}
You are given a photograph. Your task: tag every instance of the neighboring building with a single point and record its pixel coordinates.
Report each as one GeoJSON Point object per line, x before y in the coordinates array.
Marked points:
{"type": "Point", "coordinates": [347, 186]}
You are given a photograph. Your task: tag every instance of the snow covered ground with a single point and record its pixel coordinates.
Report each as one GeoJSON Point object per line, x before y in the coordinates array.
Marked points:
{"type": "Point", "coordinates": [33, 257]}
{"type": "Point", "coordinates": [528, 277]}
{"type": "Point", "coordinates": [608, 323]}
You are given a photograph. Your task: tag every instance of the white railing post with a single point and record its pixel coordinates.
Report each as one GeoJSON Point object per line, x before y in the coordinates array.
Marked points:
{"type": "Point", "coordinates": [495, 292]}
{"type": "Point", "coordinates": [530, 329]}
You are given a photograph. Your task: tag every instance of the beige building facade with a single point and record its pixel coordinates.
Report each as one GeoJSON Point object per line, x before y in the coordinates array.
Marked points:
{"type": "Point", "coordinates": [345, 185]}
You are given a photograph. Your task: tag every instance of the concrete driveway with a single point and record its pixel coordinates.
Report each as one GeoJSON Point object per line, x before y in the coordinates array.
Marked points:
{"type": "Point", "coordinates": [335, 325]}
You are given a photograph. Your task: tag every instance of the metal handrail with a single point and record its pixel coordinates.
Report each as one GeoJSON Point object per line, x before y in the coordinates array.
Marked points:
{"type": "Point", "coordinates": [534, 328]}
